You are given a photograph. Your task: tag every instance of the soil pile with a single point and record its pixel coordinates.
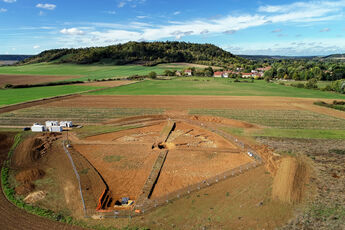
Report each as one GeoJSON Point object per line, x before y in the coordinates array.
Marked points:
{"type": "Point", "coordinates": [27, 176]}
{"type": "Point", "coordinates": [289, 182]}
{"type": "Point", "coordinates": [32, 149]}
{"type": "Point", "coordinates": [225, 121]}
{"type": "Point", "coordinates": [34, 197]}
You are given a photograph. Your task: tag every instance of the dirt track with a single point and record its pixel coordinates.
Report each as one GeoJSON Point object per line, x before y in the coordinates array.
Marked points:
{"type": "Point", "coordinates": [30, 79]}
{"type": "Point", "coordinates": [14, 218]}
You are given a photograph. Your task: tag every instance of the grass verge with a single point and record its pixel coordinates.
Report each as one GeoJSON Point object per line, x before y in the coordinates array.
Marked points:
{"type": "Point", "coordinates": [335, 105]}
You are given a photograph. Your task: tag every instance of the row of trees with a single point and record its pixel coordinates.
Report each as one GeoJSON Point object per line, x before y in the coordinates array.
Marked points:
{"type": "Point", "coordinates": [306, 70]}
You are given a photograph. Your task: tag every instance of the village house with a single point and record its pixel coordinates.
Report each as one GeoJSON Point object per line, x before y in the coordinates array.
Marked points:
{"type": "Point", "coordinates": [218, 74]}
{"type": "Point", "coordinates": [188, 72]}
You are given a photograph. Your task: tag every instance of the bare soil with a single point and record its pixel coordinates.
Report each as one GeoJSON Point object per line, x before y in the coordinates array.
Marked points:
{"type": "Point", "coordinates": [31, 79]}
{"type": "Point", "coordinates": [195, 102]}
{"type": "Point", "coordinates": [13, 218]}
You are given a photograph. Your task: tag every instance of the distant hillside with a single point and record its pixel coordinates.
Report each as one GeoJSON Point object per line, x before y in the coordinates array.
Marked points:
{"type": "Point", "coordinates": [335, 56]}
{"type": "Point", "coordinates": [145, 53]}
{"type": "Point", "coordinates": [268, 57]}
{"type": "Point", "coordinates": [6, 57]}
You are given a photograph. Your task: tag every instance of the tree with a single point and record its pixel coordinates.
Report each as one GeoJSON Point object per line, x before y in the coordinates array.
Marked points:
{"type": "Point", "coordinates": [152, 75]}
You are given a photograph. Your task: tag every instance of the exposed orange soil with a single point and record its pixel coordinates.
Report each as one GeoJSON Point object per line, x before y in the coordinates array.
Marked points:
{"type": "Point", "coordinates": [290, 181]}
{"type": "Point", "coordinates": [31, 79]}
{"type": "Point", "coordinates": [107, 83]}
{"type": "Point", "coordinates": [195, 102]}
{"type": "Point", "coordinates": [125, 175]}
{"type": "Point", "coordinates": [194, 155]}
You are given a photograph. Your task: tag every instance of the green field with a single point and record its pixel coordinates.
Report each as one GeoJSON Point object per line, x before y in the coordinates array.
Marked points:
{"type": "Point", "coordinates": [212, 86]}
{"type": "Point", "coordinates": [85, 72]}
{"type": "Point", "coordinates": [13, 96]}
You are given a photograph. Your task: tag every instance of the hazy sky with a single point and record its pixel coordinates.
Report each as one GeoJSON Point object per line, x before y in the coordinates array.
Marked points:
{"type": "Point", "coordinates": [242, 27]}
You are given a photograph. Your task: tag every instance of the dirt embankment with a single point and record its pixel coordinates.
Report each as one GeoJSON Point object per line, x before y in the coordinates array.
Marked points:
{"type": "Point", "coordinates": [290, 181]}
{"type": "Point", "coordinates": [13, 218]}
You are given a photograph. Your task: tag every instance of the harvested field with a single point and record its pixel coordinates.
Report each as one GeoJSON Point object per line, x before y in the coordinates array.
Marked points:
{"type": "Point", "coordinates": [77, 115]}
{"type": "Point", "coordinates": [31, 79]}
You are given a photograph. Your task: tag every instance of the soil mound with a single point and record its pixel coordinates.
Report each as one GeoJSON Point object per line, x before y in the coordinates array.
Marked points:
{"type": "Point", "coordinates": [235, 123]}
{"type": "Point", "coordinates": [289, 182]}
{"type": "Point", "coordinates": [34, 197]}
{"type": "Point", "coordinates": [29, 175]}
{"type": "Point", "coordinates": [32, 149]}
{"type": "Point", "coordinates": [24, 189]}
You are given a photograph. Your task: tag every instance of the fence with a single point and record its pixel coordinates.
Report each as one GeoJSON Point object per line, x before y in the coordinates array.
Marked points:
{"type": "Point", "coordinates": [76, 174]}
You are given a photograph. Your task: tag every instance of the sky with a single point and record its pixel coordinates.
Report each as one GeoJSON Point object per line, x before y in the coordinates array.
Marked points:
{"type": "Point", "coordinates": [254, 27]}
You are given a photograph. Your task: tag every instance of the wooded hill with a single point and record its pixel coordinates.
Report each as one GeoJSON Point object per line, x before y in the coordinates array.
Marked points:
{"type": "Point", "coordinates": [146, 53]}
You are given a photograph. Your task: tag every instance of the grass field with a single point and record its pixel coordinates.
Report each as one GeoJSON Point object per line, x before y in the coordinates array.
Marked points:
{"type": "Point", "coordinates": [212, 86]}
{"type": "Point", "coordinates": [85, 72]}
{"type": "Point", "coordinates": [13, 96]}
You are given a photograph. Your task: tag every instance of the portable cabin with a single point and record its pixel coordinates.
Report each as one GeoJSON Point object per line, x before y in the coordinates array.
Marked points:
{"type": "Point", "coordinates": [37, 128]}
{"type": "Point", "coordinates": [67, 124]}
{"type": "Point", "coordinates": [52, 123]}
{"type": "Point", "coordinates": [55, 129]}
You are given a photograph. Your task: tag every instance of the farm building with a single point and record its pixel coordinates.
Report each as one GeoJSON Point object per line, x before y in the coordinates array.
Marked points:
{"type": "Point", "coordinates": [52, 123]}
{"type": "Point", "coordinates": [188, 72]}
{"type": "Point", "coordinates": [37, 128]}
{"type": "Point", "coordinates": [67, 124]}
{"type": "Point", "coordinates": [247, 75]}
{"type": "Point", "coordinates": [55, 129]}
{"type": "Point", "coordinates": [218, 74]}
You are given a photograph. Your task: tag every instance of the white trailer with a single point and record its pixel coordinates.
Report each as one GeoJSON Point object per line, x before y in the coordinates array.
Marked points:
{"type": "Point", "coordinates": [67, 124]}
{"type": "Point", "coordinates": [37, 128]}
{"type": "Point", "coordinates": [55, 129]}
{"type": "Point", "coordinates": [52, 123]}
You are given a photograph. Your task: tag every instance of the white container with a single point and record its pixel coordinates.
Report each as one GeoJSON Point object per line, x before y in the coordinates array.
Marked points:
{"type": "Point", "coordinates": [67, 124]}
{"type": "Point", "coordinates": [37, 128]}
{"type": "Point", "coordinates": [52, 123]}
{"type": "Point", "coordinates": [55, 129]}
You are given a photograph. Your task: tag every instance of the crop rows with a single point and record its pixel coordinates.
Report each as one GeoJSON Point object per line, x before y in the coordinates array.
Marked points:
{"type": "Point", "coordinates": [77, 115]}
{"type": "Point", "coordinates": [285, 119]}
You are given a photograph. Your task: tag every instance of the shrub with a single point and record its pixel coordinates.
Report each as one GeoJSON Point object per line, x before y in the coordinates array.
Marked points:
{"type": "Point", "coordinates": [311, 84]}
{"type": "Point", "coordinates": [152, 75]}
{"type": "Point", "coordinates": [297, 85]}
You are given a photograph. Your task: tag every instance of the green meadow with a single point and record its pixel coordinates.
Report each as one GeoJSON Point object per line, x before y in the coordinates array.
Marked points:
{"type": "Point", "coordinates": [13, 96]}
{"type": "Point", "coordinates": [217, 87]}
{"type": "Point", "coordinates": [85, 72]}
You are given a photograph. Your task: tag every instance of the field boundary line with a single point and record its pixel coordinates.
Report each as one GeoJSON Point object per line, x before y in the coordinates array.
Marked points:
{"type": "Point", "coordinates": [76, 174]}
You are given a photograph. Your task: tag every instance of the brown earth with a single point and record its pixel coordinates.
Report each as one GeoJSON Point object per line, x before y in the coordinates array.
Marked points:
{"type": "Point", "coordinates": [125, 158]}
{"type": "Point", "coordinates": [290, 180]}
{"type": "Point", "coordinates": [198, 102]}
{"type": "Point", "coordinates": [325, 210]}
{"type": "Point", "coordinates": [13, 218]}
{"type": "Point", "coordinates": [31, 79]}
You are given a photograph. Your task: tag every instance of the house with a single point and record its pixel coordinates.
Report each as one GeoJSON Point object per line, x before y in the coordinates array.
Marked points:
{"type": "Point", "coordinates": [37, 128]}
{"type": "Point", "coordinates": [262, 70]}
{"type": "Point", "coordinates": [67, 124]}
{"type": "Point", "coordinates": [188, 72]}
{"type": "Point", "coordinates": [226, 74]}
{"type": "Point", "coordinates": [52, 123]}
{"type": "Point", "coordinates": [218, 74]}
{"type": "Point", "coordinates": [247, 75]}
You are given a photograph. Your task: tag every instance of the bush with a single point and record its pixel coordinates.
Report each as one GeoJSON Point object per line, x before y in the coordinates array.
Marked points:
{"type": "Point", "coordinates": [297, 85]}
{"type": "Point", "coordinates": [311, 84]}
{"type": "Point", "coordinates": [7, 86]}
{"type": "Point", "coordinates": [152, 75]}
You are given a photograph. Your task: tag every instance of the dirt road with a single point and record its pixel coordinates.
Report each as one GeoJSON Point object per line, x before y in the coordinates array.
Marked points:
{"type": "Point", "coordinates": [14, 218]}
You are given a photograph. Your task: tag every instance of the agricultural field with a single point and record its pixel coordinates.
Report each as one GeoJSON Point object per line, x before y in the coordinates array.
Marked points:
{"type": "Point", "coordinates": [14, 96]}
{"type": "Point", "coordinates": [202, 174]}
{"type": "Point", "coordinates": [85, 72]}
{"type": "Point", "coordinates": [217, 87]}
